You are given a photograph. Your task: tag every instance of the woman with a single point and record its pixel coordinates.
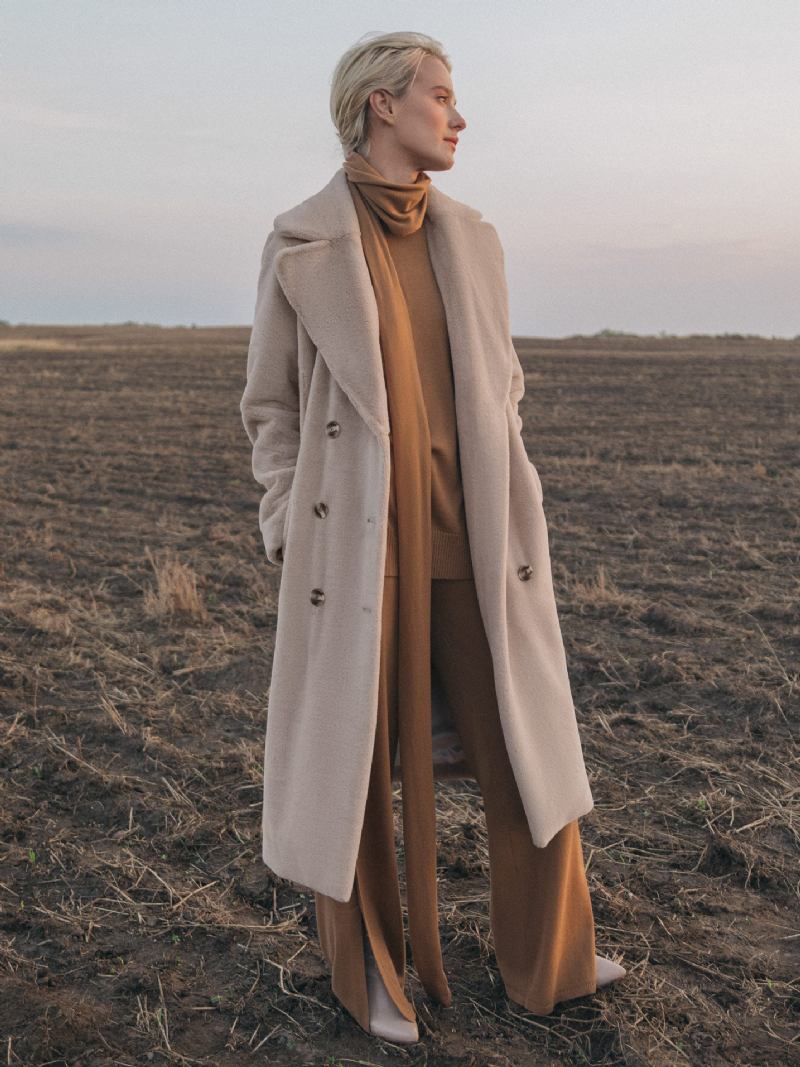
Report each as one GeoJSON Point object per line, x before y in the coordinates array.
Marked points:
{"type": "Point", "coordinates": [417, 632]}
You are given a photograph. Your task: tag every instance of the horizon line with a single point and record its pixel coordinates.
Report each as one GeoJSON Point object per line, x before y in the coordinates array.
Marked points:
{"type": "Point", "coordinates": [604, 333]}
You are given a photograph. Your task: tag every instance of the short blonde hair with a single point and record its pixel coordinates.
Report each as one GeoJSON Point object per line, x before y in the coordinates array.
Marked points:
{"type": "Point", "coordinates": [376, 61]}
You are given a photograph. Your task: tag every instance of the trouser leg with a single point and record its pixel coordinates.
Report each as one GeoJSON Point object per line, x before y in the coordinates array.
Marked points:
{"type": "Point", "coordinates": [540, 909]}
{"type": "Point", "coordinates": [375, 904]}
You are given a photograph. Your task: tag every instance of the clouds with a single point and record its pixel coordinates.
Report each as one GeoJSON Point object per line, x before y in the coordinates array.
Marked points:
{"type": "Point", "coordinates": [41, 117]}
{"type": "Point", "coordinates": [34, 235]}
{"type": "Point", "coordinates": [639, 161]}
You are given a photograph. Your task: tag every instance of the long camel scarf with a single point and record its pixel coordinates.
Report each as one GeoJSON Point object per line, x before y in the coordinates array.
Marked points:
{"type": "Point", "coordinates": [400, 207]}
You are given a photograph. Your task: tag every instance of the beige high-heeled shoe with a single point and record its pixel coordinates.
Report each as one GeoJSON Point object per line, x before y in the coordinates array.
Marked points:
{"type": "Point", "coordinates": [385, 1020]}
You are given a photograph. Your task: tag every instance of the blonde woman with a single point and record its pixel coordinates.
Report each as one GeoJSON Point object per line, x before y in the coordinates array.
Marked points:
{"type": "Point", "coordinates": [417, 634]}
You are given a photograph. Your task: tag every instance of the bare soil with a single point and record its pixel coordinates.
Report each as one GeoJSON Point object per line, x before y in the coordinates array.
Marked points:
{"type": "Point", "coordinates": [137, 616]}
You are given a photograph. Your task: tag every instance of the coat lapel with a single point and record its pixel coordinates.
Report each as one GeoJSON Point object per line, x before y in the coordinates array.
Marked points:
{"type": "Point", "coordinates": [326, 280]}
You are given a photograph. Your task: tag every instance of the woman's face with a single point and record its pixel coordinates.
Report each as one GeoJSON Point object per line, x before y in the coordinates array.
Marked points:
{"type": "Point", "coordinates": [423, 125]}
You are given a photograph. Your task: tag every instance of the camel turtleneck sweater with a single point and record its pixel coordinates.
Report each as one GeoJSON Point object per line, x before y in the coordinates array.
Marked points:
{"type": "Point", "coordinates": [450, 557]}
{"type": "Point", "coordinates": [401, 213]}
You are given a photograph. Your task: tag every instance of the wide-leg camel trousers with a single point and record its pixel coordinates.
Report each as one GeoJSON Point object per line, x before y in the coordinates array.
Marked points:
{"type": "Point", "coordinates": [540, 910]}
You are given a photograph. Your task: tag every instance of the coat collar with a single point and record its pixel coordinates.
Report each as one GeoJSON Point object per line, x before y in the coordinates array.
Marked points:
{"type": "Point", "coordinates": [330, 213]}
{"type": "Point", "coordinates": [324, 275]}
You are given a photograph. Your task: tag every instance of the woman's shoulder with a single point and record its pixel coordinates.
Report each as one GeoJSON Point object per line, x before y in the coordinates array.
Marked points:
{"type": "Point", "coordinates": [442, 203]}
{"type": "Point", "coordinates": [327, 213]}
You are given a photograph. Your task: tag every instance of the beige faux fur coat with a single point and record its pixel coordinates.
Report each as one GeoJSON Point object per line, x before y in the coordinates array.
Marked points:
{"type": "Point", "coordinates": [315, 410]}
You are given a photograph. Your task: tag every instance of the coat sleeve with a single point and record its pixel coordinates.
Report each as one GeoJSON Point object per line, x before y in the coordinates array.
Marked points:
{"type": "Point", "coordinates": [270, 405]}
{"type": "Point", "coordinates": [517, 384]}
{"type": "Point", "coordinates": [517, 390]}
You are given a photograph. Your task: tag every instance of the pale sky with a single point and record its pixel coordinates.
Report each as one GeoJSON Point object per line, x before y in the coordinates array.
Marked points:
{"type": "Point", "coordinates": [640, 160]}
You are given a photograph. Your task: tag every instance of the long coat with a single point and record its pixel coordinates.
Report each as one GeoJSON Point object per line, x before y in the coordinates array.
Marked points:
{"type": "Point", "coordinates": [315, 410]}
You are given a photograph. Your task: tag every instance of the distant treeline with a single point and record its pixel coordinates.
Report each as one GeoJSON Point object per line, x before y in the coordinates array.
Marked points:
{"type": "Point", "coordinates": [665, 334]}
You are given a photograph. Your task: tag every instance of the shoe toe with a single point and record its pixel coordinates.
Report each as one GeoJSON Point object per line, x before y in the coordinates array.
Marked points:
{"type": "Point", "coordinates": [607, 971]}
{"type": "Point", "coordinates": [402, 1032]}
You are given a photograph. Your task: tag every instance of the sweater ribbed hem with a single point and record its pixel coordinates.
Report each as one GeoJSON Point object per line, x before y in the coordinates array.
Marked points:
{"type": "Point", "coordinates": [450, 555]}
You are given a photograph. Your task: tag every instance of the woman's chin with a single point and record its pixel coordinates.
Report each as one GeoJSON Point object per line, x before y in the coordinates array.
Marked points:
{"type": "Point", "coordinates": [441, 162]}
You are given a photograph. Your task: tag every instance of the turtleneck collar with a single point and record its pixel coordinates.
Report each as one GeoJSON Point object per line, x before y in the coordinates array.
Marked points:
{"type": "Point", "coordinates": [399, 205]}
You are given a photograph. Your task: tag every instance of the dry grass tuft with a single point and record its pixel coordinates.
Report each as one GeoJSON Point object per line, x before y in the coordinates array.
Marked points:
{"type": "Point", "coordinates": [175, 593]}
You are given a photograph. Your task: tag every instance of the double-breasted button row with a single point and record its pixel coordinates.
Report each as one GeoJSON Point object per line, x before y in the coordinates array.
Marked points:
{"type": "Point", "coordinates": [332, 429]}
{"type": "Point", "coordinates": [320, 510]}
{"type": "Point", "coordinates": [525, 572]}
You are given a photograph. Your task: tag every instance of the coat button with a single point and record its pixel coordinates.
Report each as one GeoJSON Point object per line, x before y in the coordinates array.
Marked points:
{"type": "Point", "coordinates": [332, 429]}
{"type": "Point", "coordinates": [321, 509]}
{"type": "Point", "coordinates": [524, 572]}
{"type": "Point", "coordinates": [317, 596]}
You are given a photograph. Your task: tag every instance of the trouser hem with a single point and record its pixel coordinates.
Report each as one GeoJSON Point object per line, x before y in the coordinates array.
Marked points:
{"type": "Point", "coordinates": [547, 1008]}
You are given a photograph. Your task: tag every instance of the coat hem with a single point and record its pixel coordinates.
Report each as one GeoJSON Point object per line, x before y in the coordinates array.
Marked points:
{"type": "Point", "coordinates": [578, 813]}
{"type": "Point", "coordinates": [291, 873]}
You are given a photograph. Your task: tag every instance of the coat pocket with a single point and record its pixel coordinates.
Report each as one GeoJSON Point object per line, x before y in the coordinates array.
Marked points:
{"type": "Point", "coordinates": [537, 482]}
{"type": "Point", "coordinates": [286, 524]}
